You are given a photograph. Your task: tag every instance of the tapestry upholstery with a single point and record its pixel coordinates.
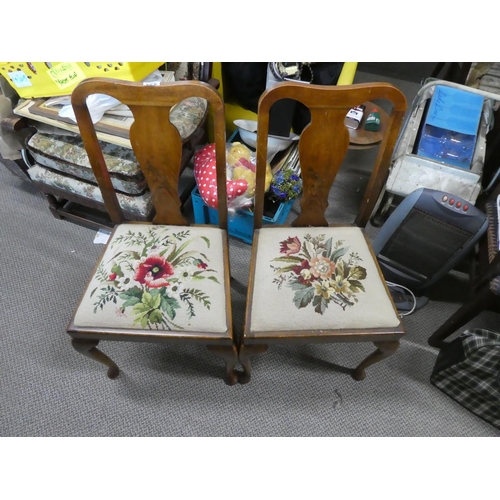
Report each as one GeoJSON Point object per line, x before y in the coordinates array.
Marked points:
{"type": "Point", "coordinates": [155, 277]}
{"type": "Point", "coordinates": [140, 205]}
{"type": "Point", "coordinates": [317, 278]}
{"type": "Point", "coordinates": [67, 154]}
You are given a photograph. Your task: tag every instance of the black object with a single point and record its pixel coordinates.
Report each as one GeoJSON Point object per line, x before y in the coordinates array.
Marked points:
{"type": "Point", "coordinates": [485, 293]}
{"type": "Point", "coordinates": [428, 234]}
{"type": "Point", "coordinates": [244, 83]}
{"type": "Point", "coordinates": [404, 301]}
{"type": "Point", "coordinates": [324, 73]}
{"type": "Point", "coordinates": [467, 370]}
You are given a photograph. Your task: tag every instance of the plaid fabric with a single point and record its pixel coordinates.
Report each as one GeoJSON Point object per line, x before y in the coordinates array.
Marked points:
{"type": "Point", "coordinates": [468, 371]}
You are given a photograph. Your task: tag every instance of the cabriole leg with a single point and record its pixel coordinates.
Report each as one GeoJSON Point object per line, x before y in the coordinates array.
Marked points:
{"type": "Point", "coordinates": [88, 348]}
{"type": "Point", "coordinates": [384, 350]}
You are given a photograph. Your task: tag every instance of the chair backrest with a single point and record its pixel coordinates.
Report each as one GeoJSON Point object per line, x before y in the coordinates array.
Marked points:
{"type": "Point", "coordinates": [324, 143]}
{"type": "Point", "coordinates": [156, 143]}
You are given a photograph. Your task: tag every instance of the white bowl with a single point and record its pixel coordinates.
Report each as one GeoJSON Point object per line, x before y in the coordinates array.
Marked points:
{"type": "Point", "coordinates": [248, 134]}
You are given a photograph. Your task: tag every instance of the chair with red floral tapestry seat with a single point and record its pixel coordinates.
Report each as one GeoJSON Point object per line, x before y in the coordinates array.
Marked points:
{"type": "Point", "coordinates": [165, 281]}
{"type": "Point", "coordinates": [315, 281]}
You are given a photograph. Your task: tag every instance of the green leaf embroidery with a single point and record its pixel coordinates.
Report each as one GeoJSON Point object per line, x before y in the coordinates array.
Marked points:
{"type": "Point", "coordinates": [182, 257]}
{"type": "Point", "coordinates": [169, 305]}
{"type": "Point", "coordinates": [297, 260]}
{"type": "Point", "coordinates": [356, 286]}
{"type": "Point", "coordinates": [338, 253]}
{"type": "Point", "coordinates": [155, 316]}
{"type": "Point", "coordinates": [328, 248]}
{"type": "Point", "coordinates": [339, 270]}
{"type": "Point", "coordinates": [132, 296]}
{"type": "Point", "coordinates": [320, 304]}
{"type": "Point", "coordinates": [141, 308]}
{"type": "Point", "coordinates": [358, 273]}
{"type": "Point", "coordinates": [214, 279]}
{"type": "Point", "coordinates": [134, 255]}
{"type": "Point", "coordinates": [117, 270]}
{"type": "Point", "coordinates": [285, 269]}
{"type": "Point", "coordinates": [152, 301]}
{"type": "Point", "coordinates": [172, 257]}
{"type": "Point", "coordinates": [303, 296]}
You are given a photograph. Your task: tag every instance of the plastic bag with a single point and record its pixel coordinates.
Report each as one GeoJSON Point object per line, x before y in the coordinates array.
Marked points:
{"type": "Point", "coordinates": [240, 175]}
{"type": "Point", "coordinates": [98, 104]}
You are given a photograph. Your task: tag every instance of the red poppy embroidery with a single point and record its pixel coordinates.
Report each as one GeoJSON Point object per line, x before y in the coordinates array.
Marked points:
{"type": "Point", "coordinates": [154, 272]}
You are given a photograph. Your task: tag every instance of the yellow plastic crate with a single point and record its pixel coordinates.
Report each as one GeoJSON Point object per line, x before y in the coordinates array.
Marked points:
{"type": "Point", "coordinates": [47, 79]}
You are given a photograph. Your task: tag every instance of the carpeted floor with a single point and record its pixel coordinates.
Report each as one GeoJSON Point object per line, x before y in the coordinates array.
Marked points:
{"type": "Point", "coordinates": [48, 389]}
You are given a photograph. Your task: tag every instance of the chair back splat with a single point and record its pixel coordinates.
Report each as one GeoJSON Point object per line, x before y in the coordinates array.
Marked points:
{"type": "Point", "coordinates": [324, 143]}
{"type": "Point", "coordinates": [156, 142]}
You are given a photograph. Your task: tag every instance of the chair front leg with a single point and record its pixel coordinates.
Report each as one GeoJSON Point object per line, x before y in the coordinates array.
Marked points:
{"type": "Point", "coordinates": [384, 350]}
{"type": "Point", "coordinates": [246, 353]}
{"type": "Point", "coordinates": [88, 348]}
{"type": "Point", "coordinates": [230, 355]}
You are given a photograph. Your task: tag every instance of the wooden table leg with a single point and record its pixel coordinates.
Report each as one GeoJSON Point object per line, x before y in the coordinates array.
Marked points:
{"type": "Point", "coordinates": [384, 350]}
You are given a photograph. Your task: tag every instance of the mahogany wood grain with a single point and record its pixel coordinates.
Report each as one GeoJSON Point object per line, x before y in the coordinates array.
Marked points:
{"type": "Point", "coordinates": [158, 149]}
{"type": "Point", "coordinates": [322, 147]}
{"type": "Point", "coordinates": [324, 143]}
{"type": "Point", "coordinates": [155, 141]}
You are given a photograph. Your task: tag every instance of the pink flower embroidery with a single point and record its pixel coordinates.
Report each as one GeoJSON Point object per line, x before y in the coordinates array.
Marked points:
{"type": "Point", "coordinates": [154, 272]}
{"type": "Point", "coordinates": [112, 277]}
{"type": "Point", "coordinates": [321, 267]}
{"type": "Point", "coordinates": [290, 246]}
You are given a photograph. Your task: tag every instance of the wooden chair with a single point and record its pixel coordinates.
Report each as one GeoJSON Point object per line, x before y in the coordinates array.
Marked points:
{"type": "Point", "coordinates": [164, 281]}
{"type": "Point", "coordinates": [315, 281]}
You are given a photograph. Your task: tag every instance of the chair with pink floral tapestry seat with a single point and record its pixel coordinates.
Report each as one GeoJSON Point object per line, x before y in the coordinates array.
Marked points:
{"type": "Point", "coordinates": [165, 281]}
{"type": "Point", "coordinates": [315, 281]}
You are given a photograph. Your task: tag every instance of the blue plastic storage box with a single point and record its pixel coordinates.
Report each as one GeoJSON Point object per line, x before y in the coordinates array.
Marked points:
{"type": "Point", "coordinates": [450, 129]}
{"type": "Point", "coordinates": [241, 224]}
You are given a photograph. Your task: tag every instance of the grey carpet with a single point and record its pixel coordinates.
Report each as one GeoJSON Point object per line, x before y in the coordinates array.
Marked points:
{"type": "Point", "coordinates": [48, 389]}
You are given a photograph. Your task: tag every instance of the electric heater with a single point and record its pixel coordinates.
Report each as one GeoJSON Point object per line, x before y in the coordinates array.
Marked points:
{"type": "Point", "coordinates": [428, 234]}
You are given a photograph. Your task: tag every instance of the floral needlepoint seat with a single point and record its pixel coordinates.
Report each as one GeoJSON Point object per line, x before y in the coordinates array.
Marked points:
{"type": "Point", "coordinates": [158, 278]}
{"type": "Point", "coordinates": [312, 278]}
{"type": "Point", "coordinates": [316, 280]}
{"type": "Point", "coordinates": [163, 281]}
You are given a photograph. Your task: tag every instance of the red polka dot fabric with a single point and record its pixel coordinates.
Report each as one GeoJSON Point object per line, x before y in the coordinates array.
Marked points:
{"type": "Point", "coordinates": [206, 178]}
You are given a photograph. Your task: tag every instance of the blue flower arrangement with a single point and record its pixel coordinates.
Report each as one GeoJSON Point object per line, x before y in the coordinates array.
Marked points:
{"type": "Point", "coordinates": [286, 185]}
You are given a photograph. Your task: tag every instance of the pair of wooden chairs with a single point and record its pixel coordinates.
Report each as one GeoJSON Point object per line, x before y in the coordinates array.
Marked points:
{"type": "Point", "coordinates": [169, 281]}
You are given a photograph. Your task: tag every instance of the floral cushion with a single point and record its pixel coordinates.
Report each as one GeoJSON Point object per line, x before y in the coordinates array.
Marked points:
{"type": "Point", "coordinates": [317, 279]}
{"type": "Point", "coordinates": [154, 277]}
{"type": "Point", "coordinates": [140, 205]}
{"type": "Point", "coordinates": [67, 154]}
{"type": "Point", "coordinates": [188, 115]}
